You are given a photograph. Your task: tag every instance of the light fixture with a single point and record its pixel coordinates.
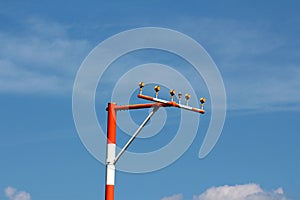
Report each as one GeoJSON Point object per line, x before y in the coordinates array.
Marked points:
{"type": "Point", "coordinates": [179, 97]}
{"type": "Point", "coordinates": [156, 88]}
{"type": "Point", "coordinates": [202, 101]}
{"type": "Point", "coordinates": [172, 93]}
{"type": "Point", "coordinates": [187, 97]}
{"type": "Point", "coordinates": [141, 84]}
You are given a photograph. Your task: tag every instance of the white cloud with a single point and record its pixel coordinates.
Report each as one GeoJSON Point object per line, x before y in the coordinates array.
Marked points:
{"type": "Point", "coordinates": [9, 191]}
{"type": "Point", "coordinates": [241, 192]}
{"type": "Point", "coordinates": [238, 192]}
{"type": "Point", "coordinates": [12, 194]}
{"type": "Point", "coordinates": [174, 197]}
{"type": "Point", "coordinates": [39, 58]}
{"type": "Point", "coordinates": [279, 191]}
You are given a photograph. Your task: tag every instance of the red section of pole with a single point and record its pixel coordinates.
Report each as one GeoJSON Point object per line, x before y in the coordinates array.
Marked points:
{"type": "Point", "coordinates": [111, 123]}
{"type": "Point", "coordinates": [109, 192]}
{"type": "Point", "coordinates": [111, 151]}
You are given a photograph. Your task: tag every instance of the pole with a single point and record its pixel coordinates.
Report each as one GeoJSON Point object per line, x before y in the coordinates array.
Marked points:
{"type": "Point", "coordinates": [112, 109]}
{"type": "Point", "coordinates": [111, 151]}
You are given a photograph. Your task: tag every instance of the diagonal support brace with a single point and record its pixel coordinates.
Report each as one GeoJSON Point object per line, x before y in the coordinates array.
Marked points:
{"type": "Point", "coordinates": [136, 133]}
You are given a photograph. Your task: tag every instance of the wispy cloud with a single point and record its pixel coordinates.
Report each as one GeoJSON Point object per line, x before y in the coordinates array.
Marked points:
{"type": "Point", "coordinates": [258, 63]}
{"type": "Point", "coordinates": [174, 197]}
{"type": "Point", "coordinates": [41, 58]}
{"type": "Point", "coordinates": [13, 194]}
{"type": "Point", "coordinates": [238, 192]}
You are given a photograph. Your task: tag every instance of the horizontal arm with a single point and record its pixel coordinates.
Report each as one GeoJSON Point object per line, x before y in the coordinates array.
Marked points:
{"type": "Point", "coordinates": [171, 103]}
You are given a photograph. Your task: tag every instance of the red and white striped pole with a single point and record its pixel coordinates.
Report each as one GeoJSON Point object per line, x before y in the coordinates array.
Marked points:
{"type": "Point", "coordinates": [112, 109]}
{"type": "Point", "coordinates": [110, 152]}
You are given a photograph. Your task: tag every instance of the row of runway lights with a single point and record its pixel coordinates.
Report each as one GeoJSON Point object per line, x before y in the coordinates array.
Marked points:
{"type": "Point", "coordinates": [173, 93]}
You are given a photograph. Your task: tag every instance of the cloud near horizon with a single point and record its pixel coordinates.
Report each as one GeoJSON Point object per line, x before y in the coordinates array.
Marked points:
{"type": "Point", "coordinates": [238, 192]}
{"type": "Point", "coordinates": [13, 194]}
{"type": "Point", "coordinates": [174, 197]}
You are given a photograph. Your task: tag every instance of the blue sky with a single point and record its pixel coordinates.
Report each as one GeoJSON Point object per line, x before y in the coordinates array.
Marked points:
{"type": "Point", "coordinates": [255, 45]}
